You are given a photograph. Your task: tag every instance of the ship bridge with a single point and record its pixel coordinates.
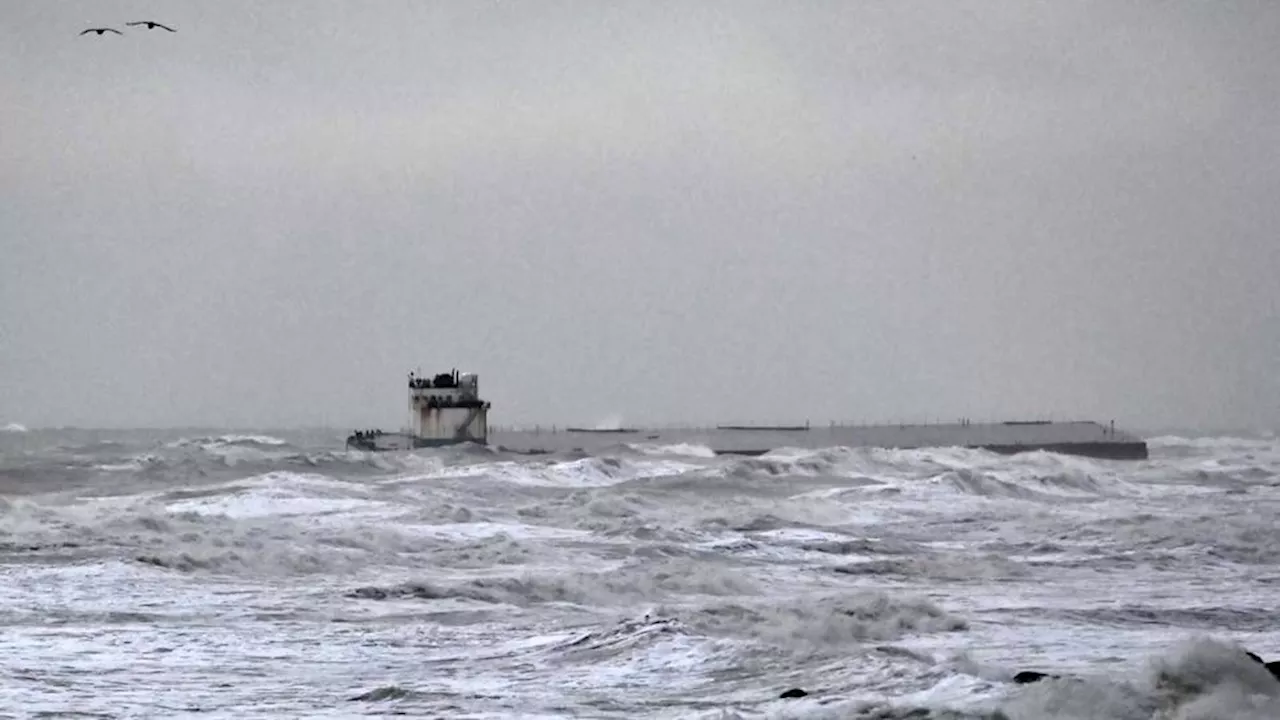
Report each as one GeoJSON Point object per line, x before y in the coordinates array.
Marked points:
{"type": "Point", "coordinates": [446, 408]}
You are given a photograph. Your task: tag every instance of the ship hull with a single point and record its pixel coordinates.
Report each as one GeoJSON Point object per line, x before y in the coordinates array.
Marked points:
{"type": "Point", "coordinates": [1083, 439]}
{"type": "Point", "coordinates": [389, 442]}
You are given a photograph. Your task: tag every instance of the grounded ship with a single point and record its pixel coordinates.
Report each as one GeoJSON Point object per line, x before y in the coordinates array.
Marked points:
{"type": "Point", "coordinates": [447, 410]}
{"type": "Point", "coordinates": [443, 410]}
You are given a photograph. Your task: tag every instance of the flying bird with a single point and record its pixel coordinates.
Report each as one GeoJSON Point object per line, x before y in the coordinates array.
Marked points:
{"type": "Point", "coordinates": [101, 30]}
{"type": "Point", "coordinates": [151, 25]}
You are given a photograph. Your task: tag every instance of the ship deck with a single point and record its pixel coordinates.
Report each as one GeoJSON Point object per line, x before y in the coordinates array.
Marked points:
{"type": "Point", "coordinates": [1084, 438]}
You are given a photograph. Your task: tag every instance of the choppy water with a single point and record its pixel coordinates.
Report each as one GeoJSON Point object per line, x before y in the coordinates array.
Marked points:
{"type": "Point", "coordinates": [278, 575]}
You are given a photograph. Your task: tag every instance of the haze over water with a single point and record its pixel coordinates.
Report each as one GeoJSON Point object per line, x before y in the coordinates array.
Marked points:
{"type": "Point", "coordinates": [722, 211]}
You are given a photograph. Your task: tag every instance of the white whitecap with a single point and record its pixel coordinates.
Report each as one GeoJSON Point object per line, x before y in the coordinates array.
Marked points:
{"type": "Point", "coordinates": [685, 449]}
{"type": "Point", "coordinates": [279, 493]}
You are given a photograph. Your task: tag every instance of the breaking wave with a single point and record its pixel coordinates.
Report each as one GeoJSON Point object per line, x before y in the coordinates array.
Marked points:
{"type": "Point", "coordinates": [222, 441]}
{"type": "Point", "coordinates": [678, 449]}
{"type": "Point", "coordinates": [619, 586]}
{"type": "Point", "coordinates": [644, 580]}
{"type": "Point", "coordinates": [832, 620]}
{"type": "Point", "coordinates": [1201, 678]}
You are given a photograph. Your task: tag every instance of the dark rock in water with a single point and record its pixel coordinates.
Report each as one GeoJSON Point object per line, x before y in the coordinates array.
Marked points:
{"type": "Point", "coordinates": [1273, 666]}
{"type": "Point", "coordinates": [389, 692]}
{"type": "Point", "coordinates": [25, 547]}
{"type": "Point", "coordinates": [182, 563]}
{"type": "Point", "coordinates": [369, 593]}
{"type": "Point", "coordinates": [1030, 676]}
{"type": "Point", "coordinates": [793, 693]}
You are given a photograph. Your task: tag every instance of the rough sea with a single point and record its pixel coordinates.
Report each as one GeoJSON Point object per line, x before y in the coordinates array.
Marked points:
{"type": "Point", "coordinates": [276, 575]}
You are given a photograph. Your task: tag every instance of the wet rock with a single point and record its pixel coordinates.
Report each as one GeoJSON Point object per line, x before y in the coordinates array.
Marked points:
{"type": "Point", "coordinates": [1031, 676]}
{"type": "Point", "coordinates": [28, 547]}
{"type": "Point", "coordinates": [1273, 666]}
{"type": "Point", "coordinates": [793, 693]}
{"type": "Point", "coordinates": [389, 692]}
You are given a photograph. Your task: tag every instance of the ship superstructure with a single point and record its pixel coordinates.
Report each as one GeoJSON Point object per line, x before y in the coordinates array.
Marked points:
{"type": "Point", "coordinates": [444, 409]}
{"type": "Point", "coordinates": [447, 409]}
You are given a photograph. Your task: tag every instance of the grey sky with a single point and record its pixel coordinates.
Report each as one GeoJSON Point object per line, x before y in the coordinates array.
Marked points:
{"type": "Point", "coordinates": [656, 211]}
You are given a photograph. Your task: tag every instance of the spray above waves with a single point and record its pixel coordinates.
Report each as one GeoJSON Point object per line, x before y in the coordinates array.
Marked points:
{"type": "Point", "coordinates": [610, 422]}
{"type": "Point", "coordinates": [230, 440]}
{"type": "Point", "coordinates": [1054, 487]}
{"type": "Point", "coordinates": [586, 472]}
{"type": "Point", "coordinates": [1200, 678]}
{"type": "Point", "coordinates": [1028, 476]}
{"type": "Point", "coordinates": [199, 460]}
{"type": "Point", "coordinates": [1262, 441]}
{"type": "Point", "coordinates": [678, 449]}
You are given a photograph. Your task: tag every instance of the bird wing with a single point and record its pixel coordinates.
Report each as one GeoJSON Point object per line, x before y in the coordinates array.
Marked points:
{"type": "Point", "coordinates": [151, 24]}
{"type": "Point", "coordinates": [114, 31]}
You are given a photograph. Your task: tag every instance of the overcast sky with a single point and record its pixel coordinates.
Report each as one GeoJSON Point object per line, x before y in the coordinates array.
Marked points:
{"type": "Point", "coordinates": [646, 211]}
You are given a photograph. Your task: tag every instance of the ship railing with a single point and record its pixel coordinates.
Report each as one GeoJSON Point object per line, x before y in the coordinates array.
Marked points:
{"type": "Point", "coordinates": [974, 428]}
